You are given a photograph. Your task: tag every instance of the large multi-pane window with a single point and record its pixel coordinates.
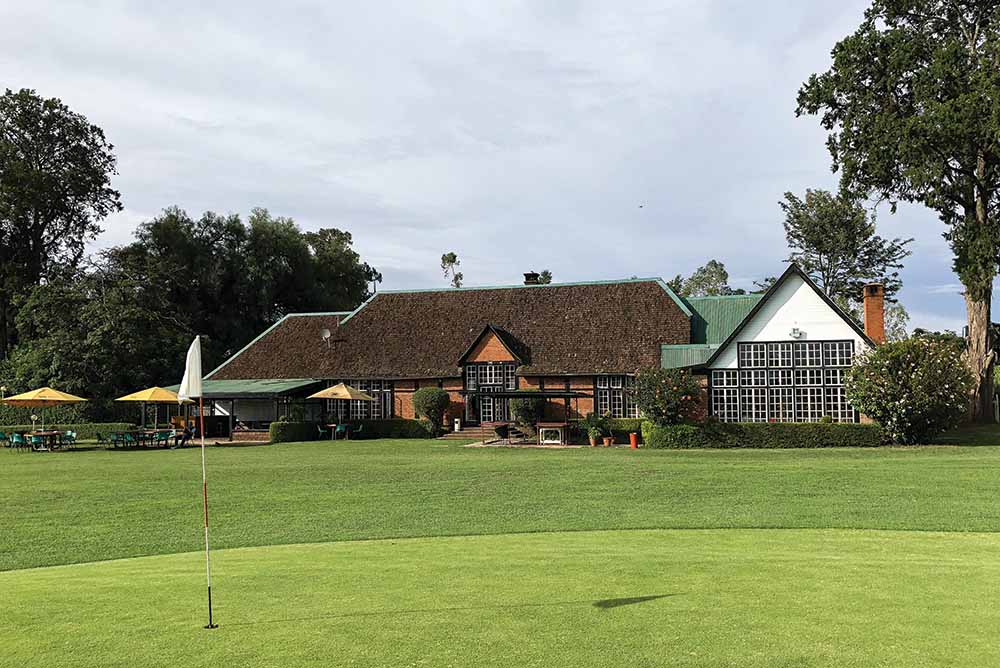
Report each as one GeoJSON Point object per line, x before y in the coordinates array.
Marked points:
{"type": "Point", "coordinates": [798, 381]}
{"type": "Point", "coordinates": [381, 408]}
{"type": "Point", "coordinates": [482, 381]}
{"type": "Point", "coordinates": [614, 396]}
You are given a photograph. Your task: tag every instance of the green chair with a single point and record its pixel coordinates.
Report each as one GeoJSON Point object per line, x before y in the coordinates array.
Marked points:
{"type": "Point", "coordinates": [342, 431]}
{"type": "Point", "coordinates": [69, 438]}
{"type": "Point", "coordinates": [101, 439]}
{"type": "Point", "coordinates": [323, 433]}
{"type": "Point", "coordinates": [130, 440]}
{"type": "Point", "coordinates": [162, 438]}
{"type": "Point", "coordinates": [357, 431]}
{"type": "Point", "coordinates": [4, 440]}
{"type": "Point", "coordinates": [18, 442]}
{"type": "Point", "coordinates": [117, 439]}
{"type": "Point", "coordinates": [38, 443]}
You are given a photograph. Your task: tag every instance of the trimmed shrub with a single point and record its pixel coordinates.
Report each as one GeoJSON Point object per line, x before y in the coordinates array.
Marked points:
{"type": "Point", "coordinates": [86, 431]}
{"type": "Point", "coordinates": [667, 396]}
{"type": "Point", "coordinates": [526, 411]}
{"type": "Point", "coordinates": [763, 435]}
{"type": "Point", "coordinates": [431, 403]}
{"type": "Point", "coordinates": [674, 436]}
{"type": "Point", "coordinates": [620, 428]}
{"type": "Point", "coordinates": [395, 428]}
{"type": "Point", "coordinates": [287, 432]}
{"type": "Point", "coordinates": [916, 388]}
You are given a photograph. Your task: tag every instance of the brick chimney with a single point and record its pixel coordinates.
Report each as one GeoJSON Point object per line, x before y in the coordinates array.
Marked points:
{"type": "Point", "coordinates": [874, 306]}
{"type": "Point", "coordinates": [531, 278]}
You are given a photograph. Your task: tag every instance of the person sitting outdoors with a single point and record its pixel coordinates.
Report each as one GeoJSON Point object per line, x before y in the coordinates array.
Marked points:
{"type": "Point", "coordinates": [181, 439]}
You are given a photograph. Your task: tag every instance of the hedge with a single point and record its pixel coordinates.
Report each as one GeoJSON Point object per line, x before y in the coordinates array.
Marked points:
{"type": "Point", "coordinates": [622, 427]}
{"type": "Point", "coordinates": [395, 428]}
{"type": "Point", "coordinates": [288, 432]}
{"type": "Point", "coordinates": [763, 435]}
{"type": "Point", "coordinates": [86, 431]}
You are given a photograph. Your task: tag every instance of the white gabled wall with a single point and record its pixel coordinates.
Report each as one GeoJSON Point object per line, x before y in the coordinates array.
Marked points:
{"type": "Point", "coordinates": [793, 304]}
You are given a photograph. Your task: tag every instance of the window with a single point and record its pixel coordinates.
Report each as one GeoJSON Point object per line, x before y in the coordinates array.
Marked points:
{"type": "Point", "coordinates": [838, 353]}
{"type": "Point", "coordinates": [809, 376]}
{"type": "Point", "coordinates": [781, 404]}
{"type": "Point", "coordinates": [614, 395]}
{"type": "Point", "coordinates": [779, 355]}
{"type": "Point", "coordinates": [780, 377]}
{"type": "Point", "coordinates": [753, 378]}
{"type": "Point", "coordinates": [837, 406]}
{"type": "Point", "coordinates": [725, 379]}
{"type": "Point", "coordinates": [510, 372]}
{"type": "Point", "coordinates": [799, 381]}
{"type": "Point", "coordinates": [809, 354]}
{"type": "Point", "coordinates": [471, 375]}
{"type": "Point", "coordinates": [752, 355]}
{"type": "Point", "coordinates": [808, 404]}
{"type": "Point", "coordinates": [380, 409]}
{"type": "Point", "coordinates": [753, 404]}
{"type": "Point", "coordinates": [725, 404]}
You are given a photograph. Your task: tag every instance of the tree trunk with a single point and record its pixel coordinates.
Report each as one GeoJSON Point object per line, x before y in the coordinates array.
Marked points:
{"type": "Point", "coordinates": [978, 299]}
{"type": "Point", "coordinates": [979, 356]}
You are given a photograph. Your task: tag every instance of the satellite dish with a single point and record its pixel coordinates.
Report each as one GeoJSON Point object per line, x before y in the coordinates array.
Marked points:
{"type": "Point", "coordinates": [324, 334]}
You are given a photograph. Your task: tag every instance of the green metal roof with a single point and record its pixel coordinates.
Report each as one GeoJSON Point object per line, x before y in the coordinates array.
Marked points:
{"type": "Point", "coordinates": [715, 318]}
{"type": "Point", "coordinates": [681, 356]}
{"type": "Point", "coordinates": [252, 389]}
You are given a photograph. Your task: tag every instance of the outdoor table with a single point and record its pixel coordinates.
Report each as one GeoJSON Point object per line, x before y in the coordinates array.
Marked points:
{"type": "Point", "coordinates": [333, 431]}
{"type": "Point", "coordinates": [558, 427]}
{"type": "Point", "coordinates": [50, 436]}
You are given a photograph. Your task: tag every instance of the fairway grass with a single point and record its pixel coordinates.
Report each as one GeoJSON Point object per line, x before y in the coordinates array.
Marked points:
{"type": "Point", "coordinates": [84, 506]}
{"type": "Point", "coordinates": [610, 598]}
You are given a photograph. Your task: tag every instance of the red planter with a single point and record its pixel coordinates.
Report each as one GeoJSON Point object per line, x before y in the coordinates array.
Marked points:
{"type": "Point", "coordinates": [633, 440]}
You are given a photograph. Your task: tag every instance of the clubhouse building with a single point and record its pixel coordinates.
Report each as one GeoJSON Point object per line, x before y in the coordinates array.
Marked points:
{"type": "Point", "coordinates": [776, 356]}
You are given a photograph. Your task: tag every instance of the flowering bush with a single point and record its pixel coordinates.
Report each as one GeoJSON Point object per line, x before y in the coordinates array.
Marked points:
{"type": "Point", "coordinates": [915, 388]}
{"type": "Point", "coordinates": [666, 396]}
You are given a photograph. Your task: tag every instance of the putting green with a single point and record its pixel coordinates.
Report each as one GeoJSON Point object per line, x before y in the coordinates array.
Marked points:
{"type": "Point", "coordinates": [607, 598]}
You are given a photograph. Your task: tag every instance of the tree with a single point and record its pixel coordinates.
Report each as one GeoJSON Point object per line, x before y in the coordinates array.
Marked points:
{"type": "Point", "coordinates": [229, 279]}
{"type": "Point", "coordinates": [833, 240]}
{"type": "Point", "coordinates": [102, 321]}
{"type": "Point", "coordinates": [897, 319]}
{"type": "Point", "coordinates": [545, 277]}
{"type": "Point", "coordinates": [667, 396]}
{"type": "Point", "coordinates": [910, 104]}
{"type": "Point", "coordinates": [915, 388]}
{"type": "Point", "coordinates": [449, 265]}
{"type": "Point", "coordinates": [55, 186]}
{"type": "Point", "coordinates": [431, 403]}
{"type": "Point", "coordinates": [764, 284]}
{"type": "Point", "coordinates": [707, 280]}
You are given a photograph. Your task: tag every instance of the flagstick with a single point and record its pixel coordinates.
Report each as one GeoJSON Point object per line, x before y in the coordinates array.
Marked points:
{"type": "Point", "coordinates": [204, 493]}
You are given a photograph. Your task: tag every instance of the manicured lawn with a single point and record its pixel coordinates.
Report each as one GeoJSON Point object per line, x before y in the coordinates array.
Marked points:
{"type": "Point", "coordinates": [86, 506]}
{"type": "Point", "coordinates": [483, 557]}
{"type": "Point", "coordinates": [713, 598]}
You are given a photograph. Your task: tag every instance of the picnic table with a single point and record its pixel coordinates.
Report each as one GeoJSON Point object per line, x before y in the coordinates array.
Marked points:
{"type": "Point", "coordinates": [51, 438]}
{"type": "Point", "coordinates": [139, 437]}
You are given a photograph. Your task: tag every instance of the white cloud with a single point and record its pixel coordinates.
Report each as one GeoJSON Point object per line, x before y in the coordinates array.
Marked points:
{"type": "Point", "coordinates": [521, 135]}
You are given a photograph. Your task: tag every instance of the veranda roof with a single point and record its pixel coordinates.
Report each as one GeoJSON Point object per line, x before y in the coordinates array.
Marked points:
{"type": "Point", "coordinates": [270, 388]}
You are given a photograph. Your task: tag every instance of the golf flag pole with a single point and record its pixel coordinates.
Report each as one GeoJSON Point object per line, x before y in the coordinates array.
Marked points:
{"type": "Point", "coordinates": [191, 388]}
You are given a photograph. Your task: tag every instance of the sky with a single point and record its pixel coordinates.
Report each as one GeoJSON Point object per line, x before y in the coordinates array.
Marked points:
{"type": "Point", "coordinates": [597, 140]}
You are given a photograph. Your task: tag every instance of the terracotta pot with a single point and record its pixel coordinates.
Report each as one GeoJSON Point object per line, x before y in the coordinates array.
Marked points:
{"type": "Point", "coordinates": [593, 441]}
{"type": "Point", "coordinates": [608, 440]}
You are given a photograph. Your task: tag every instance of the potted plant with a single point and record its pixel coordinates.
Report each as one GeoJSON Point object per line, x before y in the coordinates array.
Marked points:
{"type": "Point", "coordinates": [609, 435]}
{"type": "Point", "coordinates": [593, 426]}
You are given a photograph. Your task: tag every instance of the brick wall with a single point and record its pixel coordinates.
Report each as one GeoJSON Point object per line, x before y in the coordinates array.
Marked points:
{"type": "Point", "coordinates": [403, 396]}
{"type": "Point", "coordinates": [489, 349]}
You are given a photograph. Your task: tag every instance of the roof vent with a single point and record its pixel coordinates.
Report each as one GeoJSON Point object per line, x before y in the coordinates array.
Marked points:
{"type": "Point", "coordinates": [531, 278]}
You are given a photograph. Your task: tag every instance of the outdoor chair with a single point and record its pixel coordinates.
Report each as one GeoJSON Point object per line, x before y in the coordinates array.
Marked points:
{"type": "Point", "coordinates": [69, 438]}
{"type": "Point", "coordinates": [162, 438]}
{"type": "Point", "coordinates": [117, 439]}
{"type": "Point", "coordinates": [356, 431]}
{"type": "Point", "coordinates": [343, 431]}
{"type": "Point", "coordinates": [323, 433]}
{"type": "Point", "coordinates": [38, 443]}
{"type": "Point", "coordinates": [18, 442]}
{"type": "Point", "coordinates": [130, 441]}
{"type": "Point", "coordinates": [101, 440]}
{"type": "Point", "coordinates": [4, 440]}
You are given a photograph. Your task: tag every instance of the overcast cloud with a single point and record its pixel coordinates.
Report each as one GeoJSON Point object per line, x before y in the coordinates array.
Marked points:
{"type": "Point", "coordinates": [520, 135]}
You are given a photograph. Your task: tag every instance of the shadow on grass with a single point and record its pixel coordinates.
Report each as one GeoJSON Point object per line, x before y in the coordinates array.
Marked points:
{"type": "Point", "coordinates": [971, 434]}
{"type": "Point", "coordinates": [603, 604]}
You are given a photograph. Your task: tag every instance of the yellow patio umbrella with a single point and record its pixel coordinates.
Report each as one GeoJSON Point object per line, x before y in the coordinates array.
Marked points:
{"type": "Point", "coordinates": [43, 397]}
{"type": "Point", "coordinates": [342, 391]}
{"type": "Point", "coordinates": [155, 396]}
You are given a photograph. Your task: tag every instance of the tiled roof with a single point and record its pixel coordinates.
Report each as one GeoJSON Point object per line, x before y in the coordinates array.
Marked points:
{"type": "Point", "coordinates": [581, 328]}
